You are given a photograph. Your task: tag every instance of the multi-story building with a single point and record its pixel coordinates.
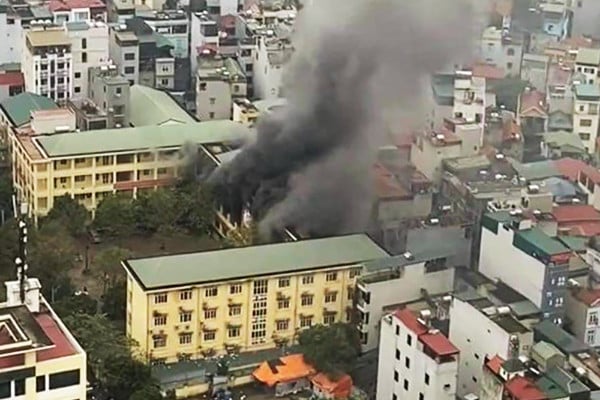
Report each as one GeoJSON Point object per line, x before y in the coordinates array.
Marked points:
{"type": "Point", "coordinates": [244, 111]}
{"type": "Point", "coordinates": [89, 49]}
{"type": "Point", "coordinates": [77, 10]}
{"type": "Point", "coordinates": [109, 91]}
{"type": "Point", "coordinates": [47, 64]}
{"type": "Point", "coordinates": [40, 358]}
{"type": "Point", "coordinates": [583, 313]}
{"type": "Point", "coordinates": [533, 263]}
{"type": "Point", "coordinates": [502, 49]}
{"type": "Point", "coordinates": [431, 148]}
{"type": "Point", "coordinates": [218, 81]}
{"type": "Point", "coordinates": [173, 25]}
{"type": "Point", "coordinates": [415, 361]}
{"type": "Point", "coordinates": [584, 21]}
{"type": "Point", "coordinates": [16, 111]}
{"type": "Point", "coordinates": [469, 97]}
{"type": "Point", "coordinates": [249, 298]}
{"type": "Point", "coordinates": [121, 10]}
{"type": "Point", "coordinates": [555, 19]}
{"type": "Point", "coordinates": [534, 69]}
{"type": "Point", "coordinates": [586, 115]}
{"type": "Point", "coordinates": [587, 63]}
{"type": "Point", "coordinates": [204, 34]}
{"type": "Point", "coordinates": [90, 165]}
{"type": "Point", "coordinates": [11, 34]}
{"type": "Point", "coordinates": [125, 53]}
{"type": "Point", "coordinates": [271, 55]}
{"type": "Point", "coordinates": [11, 84]}
{"type": "Point", "coordinates": [223, 7]}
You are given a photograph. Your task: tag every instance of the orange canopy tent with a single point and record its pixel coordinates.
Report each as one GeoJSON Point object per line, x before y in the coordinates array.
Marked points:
{"type": "Point", "coordinates": [284, 369]}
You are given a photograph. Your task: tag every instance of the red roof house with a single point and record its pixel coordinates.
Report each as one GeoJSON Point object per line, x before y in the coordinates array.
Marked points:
{"type": "Point", "coordinates": [325, 387]}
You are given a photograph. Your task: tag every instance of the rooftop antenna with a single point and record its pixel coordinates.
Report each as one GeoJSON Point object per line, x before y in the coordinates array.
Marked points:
{"type": "Point", "coordinates": [20, 212]}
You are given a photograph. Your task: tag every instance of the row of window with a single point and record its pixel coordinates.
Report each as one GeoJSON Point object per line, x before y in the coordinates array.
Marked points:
{"type": "Point", "coordinates": [53, 381]}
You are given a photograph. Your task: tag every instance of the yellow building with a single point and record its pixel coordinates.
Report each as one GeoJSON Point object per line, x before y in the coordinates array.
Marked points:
{"type": "Point", "coordinates": [39, 358]}
{"type": "Point", "coordinates": [245, 299]}
{"type": "Point", "coordinates": [90, 165]}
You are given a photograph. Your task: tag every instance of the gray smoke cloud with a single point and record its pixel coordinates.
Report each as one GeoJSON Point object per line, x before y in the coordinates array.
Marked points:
{"type": "Point", "coordinates": [360, 71]}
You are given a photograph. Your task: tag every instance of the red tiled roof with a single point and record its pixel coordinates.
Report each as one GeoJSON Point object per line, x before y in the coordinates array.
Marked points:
{"type": "Point", "coordinates": [495, 363]}
{"type": "Point", "coordinates": [5, 336]}
{"type": "Point", "coordinates": [575, 213]}
{"type": "Point", "coordinates": [12, 361]}
{"type": "Point", "coordinates": [588, 297]}
{"type": "Point", "coordinates": [523, 389]}
{"type": "Point", "coordinates": [558, 75]}
{"type": "Point", "coordinates": [62, 346]}
{"type": "Point", "coordinates": [569, 167]}
{"type": "Point", "coordinates": [386, 185]}
{"type": "Point", "coordinates": [586, 229]}
{"type": "Point", "coordinates": [591, 173]}
{"type": "Point", "coordinates": [12, 79]}
{"type": "Point", "coordinates": [439, 344]}
{"type": "Point", "coordinates": [66, 5]}
{"type": "Point", "coordinates": [409, 319]}
{"type": "Point", "coordinates": [577, 42]}
{"type": "Point", "coordinates": [533, 104]}
{"type": "Point", "coordinates": [487, 71]}
{"type": "Point", "coordinates": [339, 389]}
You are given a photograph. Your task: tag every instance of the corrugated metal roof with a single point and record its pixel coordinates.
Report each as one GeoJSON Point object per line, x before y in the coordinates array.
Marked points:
{"type": "Point", "coordinates": [149, 106]}
{"type": "Point", "coordinates": [19, 107]}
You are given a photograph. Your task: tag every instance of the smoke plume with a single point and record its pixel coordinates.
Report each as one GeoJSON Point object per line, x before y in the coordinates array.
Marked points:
{"type": "Point", "coordinates": [359, 72]}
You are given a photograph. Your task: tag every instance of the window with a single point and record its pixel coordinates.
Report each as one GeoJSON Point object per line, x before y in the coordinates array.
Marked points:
{"type": "Point", "coordinates": [590, 337]}
{"type": "Point", "coordinates": [354, 272]}
{"type": "Point", "coordinates": [118, 91]}
{"type": "Point", "coordinates": [185, 295]}
{"type": "Point", "coordinates": [211, 292]}
{"type": "Point", "coordinates": [236, 88]}
{"type": "Point", "coordinates": [585, 122]}
{"type": "Point", "coordinates": [407, 362]}
{"type": "Point", "coordinates": [79, 178]}
{"type": "Point", "coordinates": [160, 320]}
{"type": "Point", "coordinates": [308, 279]}
{"type": "Point", "coordinates": [350, 293]}
{"type": "Point", "coordinates": [129, 56]}
{"type": "Point", "coordinates": [562, 280]}
{"type": "Point", "coordinates": [160, 298]}
{"type": "Point", "coordinates": [584, 136]}
{"type": "Point", "coordinates": [260, 287]}
{"type": "Point", "coordinates": [330, 297]}
{"type": "Point", "coordinates": [396, 376]}
{"type": "Point", "coordinates": [329, 319]}
{"type": "Point", "coordinates": [64, 379]}
{"type": "Point", "coordinates": [405, 384]}
{"type": "Point", "coordinates": [77, 89]}
{"type": "Point", "coordinates": [249, 67]}
{"type": "Point", "coordinates": [283, 325]}
{"type": "Point", "coordinates": [394, 397]}
{"type": "Point", "coordinates": [510, 51]}
{"type": "Point", "coordinates": [84, 57]}
{"type": "Point", "coordinates": [235, 309]}
{"type": "Point", "coordinates": [164, 82]}
{"type": "Point", "coordinates": [397, 330]}
{"type": "Point", "coordinates": [305, 321]}
{"type": "Point", "coordinates": [427, 379]}
{"type": "Point", "coordinates": [408, 339]}
{"type": "Point", "coordinates": [581, 108]}
{"type": "Point", "coordinates": [129, 70]}
{"type": "Point", "coordinates": [209, 335]}
{"type": "Point", "coordinates": [283, 304]}
{"type": "Point", "coordinates": [19, 387]}
{"type": "Point", "coordinates": [84, 43]}
{"type": "Point", "coordinates": [509, 65]}
{"type": "Point", "coordinates": [185, 316]}
{"type": "Point", "coordinates": [235, 289]}
{"type": "Point", "coordinates": [397, 354]}
{"type": "Point", "coordinates": [210, 313]}
{"type": "Point", "coordinates": [77, 75]}
{"type": "Point", "coordinates": [421, 396]}
{"type": "Point", "coordinates": [40, 383]}
{"type": "Point", "coordinates": [284, 282]}
{"type": "Point", "coordinates": [233, 331]}
{"type": "Point", "coordinates": [447, 386]}
{"type": "Point", "coordinates": [331, 276]}
{"type": "Point", "coordinates": [593, 320]}
{"type": "Point", "coordinates": [202, 86]}
{"type": "Point", "coordinates": [5, 390]}
{"type": "Point", "coordinates": [185, 338]}
{"type": "Point", "coordinates": [307, 300]}
{"type": "Point", "coordinates": [212, 100]}
{"type": "Point", "coordinates": [211, 115]}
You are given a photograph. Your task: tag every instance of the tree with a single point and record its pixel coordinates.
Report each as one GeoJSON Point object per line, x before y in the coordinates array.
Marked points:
{"type": "Point", "coordinates": [76, 304]}
{"type": "Point", "coordinates": [331, 349]}
{"type": "Point", "coordinates": [126, 376]}
{"type": "Point", "coordinates": [114, 304]}
{"type": "Point", "coordinates": [70, 214]}
{"type": "Point", "coordinates": [115, 216]}
{"type": "Point", "coordinates": [196, 207]}
{"type": "Point", "coordinates": [6, 193]}
{"type": "Point", "coordinates": [155, 210]}
{"type": "Point", "coordinates": [148, 392]}
{"type": "Point", "coordinates": [107, 265]}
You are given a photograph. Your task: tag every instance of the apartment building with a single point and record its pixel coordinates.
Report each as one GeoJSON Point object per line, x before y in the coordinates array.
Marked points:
{"type": "Point", "coordinates": [244, 111]}
{"type": "Point", "coordinates": [90, 165]}
{"type": "Point", "coordinates": [125, 53]}
{"type": "Point", "coordinates": [11, 34]}
{"type": "Point", "coordinates": [218, 81]}
{"type": "Point", "coordinates": [586, 117]}
{"type": "Point", "coordinates": [40, 358]}
{"type": "Point", "coordinates": [502, 49]}
{"type": "Point", "coordinates": [587, 63]}
{"type": "Point", "coordinates": [89, 49]}
{"type": "Point", "coordinates": [469, 97]}
{"type": "Point", "coordinates": [249, 298]}
{"type": "Point", "coordinates": [272, 53]}
{"type": "Point", "coordinates": [110, 91]}
{"type": "Point", "coordinates": [173, 25]}
{"type": "Point", "coordinates": [47, 63]}
{"type": "Point", "coordinates": [64, 11]}
{"type": "Point", "coordinates": [534, 263]}
{"type": "Point", "coordinates": [204, 34]}
{"type": "Point", "coordinates": [121, 10]}
{"type": "Point", "coordinates": [431, 148]}
{"type": "Point", "coordinates": [415, 361]}
{"type": "Point", "coordinates": [583, 313]}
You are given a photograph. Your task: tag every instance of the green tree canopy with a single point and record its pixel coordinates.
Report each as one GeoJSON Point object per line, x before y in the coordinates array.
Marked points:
{"type": "Point", "coordinates": [195, 206]}
{"type": "Point", "coordinates": [148, 392]}
{"type": "Point", "coordinates": [76, 304]}
{"type": "Point", "coordinates": [331, 349]}
{"type": "Point", "coordinates": [156, 209]}
{"type": "Point", "coordinates": [126, 376]}
{"type": "Point", "coordinates": [107, 265]}
{"type": "Point", "coordinates": [114, 305]}
{"type": "Point", "coordinates": [508, 91]}
{"type": "Point", "coordinates": [115, 216]}
{"type": "Point", "coordinates": [70, 214]}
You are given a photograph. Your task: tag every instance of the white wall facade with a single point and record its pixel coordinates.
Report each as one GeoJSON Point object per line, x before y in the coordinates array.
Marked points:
{"type": "Point", "coordinates": [411, 383]}
{"type": "Point", "coordinates": [95, 41]}
{"type": "Point", "coordinates": [38, 81]}
{"type": "Point", "coordinates": [476, 336]}
{"type": "Point", "coordinates": [11, 35]}
{"type": "Point", "coordinates": [201, 34]}
{"type": "Point", "coordinates": [469, 97]}
{"type": "Point", "coordinates": [502, 55]}
{"type": "Point", "coordinates": [428, 157]}
{"type": "Point", "coordinates": [586, 119]}
{"type": "Point", "coordinates": [213, 99]}
{"type": "Point", "coordinates": [267, 78]}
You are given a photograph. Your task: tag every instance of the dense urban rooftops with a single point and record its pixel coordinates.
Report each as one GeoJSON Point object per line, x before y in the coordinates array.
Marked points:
{"type": "Point", "coordinates": [18, 108]}
{"type": "Point", "coordinates": [236, 263]}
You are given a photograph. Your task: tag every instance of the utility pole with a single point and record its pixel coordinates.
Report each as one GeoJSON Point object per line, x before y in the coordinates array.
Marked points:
{"type": "Point", "coordinates": [20, 213]}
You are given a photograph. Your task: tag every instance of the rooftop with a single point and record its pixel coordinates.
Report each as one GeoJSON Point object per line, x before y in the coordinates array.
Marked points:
{"type": "Point", "coordinates": [554, 334]}
{"type": "Point", "coordinates": [149, 106]}
{"type": "Point", "coordinates": [66, 5]}
{"type": "Point", "coordinates": [236, 263]}
{"type": "Point", "coordinates": [522, 388]}
{"type": "Point", "coordinates": [561, 139]}
{"type": "Point", "coordinates": [591, 173]}
{"type": "Point", "coordinates": [587, 91]}
{"type": "Point", "coordinates": [588, 56]}
{"type": "Point", "coordinates": [589, 297]}
{"type": "Point", "coordinates": [48, 37]}
{"type": "Point", "coordinates": [18, 108]}
{"type": "Point", "coordinates": [569, 213]}
{"type": "Point", "coordinates": [139, 138]}
{"type": "Point", "coordinates": [12, 79]}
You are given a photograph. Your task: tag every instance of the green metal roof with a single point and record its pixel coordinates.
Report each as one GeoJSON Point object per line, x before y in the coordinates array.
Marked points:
{"type": "Point", "coordinates": [562, 139]}
{"type": "Point", "coordinates": [575, 243]}
{"type": "Point", "coordinates": [149, 106]}
{"type": "Point", "coordinates": [139, 138]}
{"type": "Point", "coordinates": [545, 244]}
{"type": "Point", "coordinates": [236, 263]}
{"type": "Point", "coordinates": [587, 91]}
{"type": "Point", "coordinates": [18, 108]}
{"type": "Point", "coordinates": [551, 389]}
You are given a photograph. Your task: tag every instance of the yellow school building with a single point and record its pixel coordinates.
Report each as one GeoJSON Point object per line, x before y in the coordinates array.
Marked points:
{"type": "Point", "coordinates": [191, 306]}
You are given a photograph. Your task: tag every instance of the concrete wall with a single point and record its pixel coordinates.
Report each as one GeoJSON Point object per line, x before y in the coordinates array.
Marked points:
{"type": "Point", "coordinates": [11, 36]}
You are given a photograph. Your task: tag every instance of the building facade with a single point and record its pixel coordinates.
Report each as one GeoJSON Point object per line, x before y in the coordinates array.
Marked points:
{"type": "Point", "coordinates": [586, 115]}
{"type": "Point", "coordinates": [242, 299]}
{"type": "Point", "coordinates": [218, 82]}
{"type": "Point", "coordinates": [583, 313]}
{"type": "Point", "coordinates": [415, 361]}
{"type": "Point", "coordinates": [109, 91]}
{"type": "Point", "coordinates": [125, 53]}
{"type": "Point", "coordinates": [47, 63]}
{"type": "Point", "coordinates": [11, 33]}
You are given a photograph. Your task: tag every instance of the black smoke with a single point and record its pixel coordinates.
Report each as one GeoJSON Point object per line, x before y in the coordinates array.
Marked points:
{"type": "Point", "coordinates": [359, 71]}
